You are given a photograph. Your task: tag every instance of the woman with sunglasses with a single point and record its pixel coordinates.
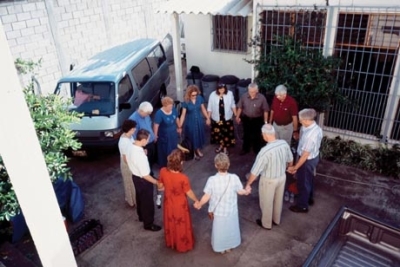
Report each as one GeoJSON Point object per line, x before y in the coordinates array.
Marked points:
{"type": "Point", "coordinates": [221, 108]}
{"type": "Point", "coordinates": [191, 119]}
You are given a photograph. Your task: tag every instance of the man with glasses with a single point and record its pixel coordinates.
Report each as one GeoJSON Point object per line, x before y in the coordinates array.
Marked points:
{"type": "Point", "coordinates": [308, 152]}
{"type": "Point", "coordinates": [253, 113]}
{"type": "Point", "coordinates": [284, 115]}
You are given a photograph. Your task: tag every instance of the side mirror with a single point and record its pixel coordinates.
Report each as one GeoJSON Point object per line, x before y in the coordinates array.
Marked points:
{"type": "Point", "coordinates": [123, 106]}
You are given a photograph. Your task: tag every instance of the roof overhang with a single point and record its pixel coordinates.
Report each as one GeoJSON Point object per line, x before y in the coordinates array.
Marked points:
{"type": "Point", "coordinates": [241, 8]}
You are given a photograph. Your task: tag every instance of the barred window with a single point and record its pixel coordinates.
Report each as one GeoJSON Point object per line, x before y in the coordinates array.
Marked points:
{"type": "Point", "coordinates": [230, 33]}
{"type": "Point", "coordinates": [304, 25]}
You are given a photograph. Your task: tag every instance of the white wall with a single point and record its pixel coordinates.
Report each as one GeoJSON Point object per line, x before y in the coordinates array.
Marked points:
{"type": "Point", "coordinates": [62, 32]}
{"type": "Point", "coordinates": [198, 50]}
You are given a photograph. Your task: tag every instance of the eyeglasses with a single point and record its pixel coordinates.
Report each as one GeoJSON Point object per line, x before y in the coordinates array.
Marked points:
{"type": "Point", "coordinates": [221, 85]}
{"type": "Point", "coordinates": [193, 95]}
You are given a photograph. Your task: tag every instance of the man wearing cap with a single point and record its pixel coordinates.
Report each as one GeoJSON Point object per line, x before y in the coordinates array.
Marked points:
{"type": "Point", "coordinates": [271, 164]}
{"type": "Point", "coordinates": [284, 115]}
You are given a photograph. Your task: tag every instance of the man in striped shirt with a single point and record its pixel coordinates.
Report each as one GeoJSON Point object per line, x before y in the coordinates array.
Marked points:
{"type": "Point", "coordinates": [271, 164]}
{"type": "Point", "coordinates": [308, 151]}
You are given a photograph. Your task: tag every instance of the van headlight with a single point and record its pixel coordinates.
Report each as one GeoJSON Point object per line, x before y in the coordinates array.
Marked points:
{"type": "Point", "coordinates": [112, 133]}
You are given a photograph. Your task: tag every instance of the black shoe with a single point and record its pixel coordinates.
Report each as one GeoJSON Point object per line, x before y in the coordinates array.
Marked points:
{"type": "Point", "coordinates": [298, 209]}
{"type": "Point", "coordinates": [259, 223]}
{"type": "Point", "coordinates": [153, 228]}
{"type": "Point", "coordinates": [243, 152]}
{"type": "Point", "coordinates": [274, 223]}
{"type": "Point", "coordinates": [311, 201]}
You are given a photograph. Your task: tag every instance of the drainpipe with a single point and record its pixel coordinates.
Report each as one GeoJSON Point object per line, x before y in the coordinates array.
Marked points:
{"type": "Point", "coordinates": [176, 41]}
{"type": "Point", "coordinates": [253, 36]}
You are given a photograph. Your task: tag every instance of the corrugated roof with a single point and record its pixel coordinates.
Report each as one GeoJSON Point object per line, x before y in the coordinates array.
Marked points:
{"type": "Point", "coordinates": [214, 7]}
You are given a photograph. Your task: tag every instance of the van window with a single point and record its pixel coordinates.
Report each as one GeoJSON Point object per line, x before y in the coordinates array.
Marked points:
{"type": "Point", "coordinates": [92, 99]}
{"type": "Point", "coordinates": [125, 90]}
{"type": "Point", "coordinates": [141, 73]}
{"type": "Point", "coordinates": [156, 58]}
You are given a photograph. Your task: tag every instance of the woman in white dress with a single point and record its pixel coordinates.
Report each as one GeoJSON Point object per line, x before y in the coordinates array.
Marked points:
{"type": "Point", "coordinates": [221, 190]}
{"type": "Point", "coordinates": [124, 144]}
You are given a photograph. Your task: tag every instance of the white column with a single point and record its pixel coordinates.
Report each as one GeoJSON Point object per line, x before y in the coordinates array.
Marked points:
{"type": "Point", "coordinates": [22, 155]}
{"type": "Point", "coordinates": [176, 41]}
{"type": "Point", "coordinates": [253, 36]}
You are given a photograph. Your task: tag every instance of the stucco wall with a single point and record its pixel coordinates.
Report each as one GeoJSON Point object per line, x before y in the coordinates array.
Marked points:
{"type": "Point", "coordinates": [64, 32]}
{"type": "Point", "coordinates": [199, 50]}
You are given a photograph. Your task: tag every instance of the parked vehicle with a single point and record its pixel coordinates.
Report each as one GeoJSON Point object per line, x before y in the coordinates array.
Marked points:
{"type": "Point", "coordinates": [108, 88]}
{"type": "Point", "coordinates": [353, 239]}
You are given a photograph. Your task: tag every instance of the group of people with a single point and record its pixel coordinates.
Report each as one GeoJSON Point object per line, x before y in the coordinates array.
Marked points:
{"type": "Point", "coordinates": [267, 131]}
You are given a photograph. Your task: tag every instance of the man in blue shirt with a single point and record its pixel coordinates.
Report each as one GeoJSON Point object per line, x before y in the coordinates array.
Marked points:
{"type": "Point", "coordinates": [143, 121]}
{"type": "Point", "coordinates": [308, 151]}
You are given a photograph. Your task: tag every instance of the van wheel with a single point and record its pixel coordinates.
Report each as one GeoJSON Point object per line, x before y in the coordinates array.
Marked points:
{"type": "Point", "coordinates": [162, 94]}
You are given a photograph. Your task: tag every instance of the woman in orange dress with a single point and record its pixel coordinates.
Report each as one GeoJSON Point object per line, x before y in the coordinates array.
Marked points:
{"type": "Point", "coordinates": [177, 220]}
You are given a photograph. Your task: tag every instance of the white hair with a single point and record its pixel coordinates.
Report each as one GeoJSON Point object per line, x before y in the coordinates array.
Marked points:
{"type": "Point", "coordinates": [281, 90]}
{"type": "Point", "coordinates": [268, 129]}
{"type": "Point", "coordinates": [146, 107]}
{"type": "Point", "coordinates": [252, 86]}
{"type": "Point", "coordinates": [307, 114]}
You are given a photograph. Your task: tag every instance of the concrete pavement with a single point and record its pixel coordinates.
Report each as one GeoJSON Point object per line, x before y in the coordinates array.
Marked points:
{"type": "Point", "coordinates": [126, 243]}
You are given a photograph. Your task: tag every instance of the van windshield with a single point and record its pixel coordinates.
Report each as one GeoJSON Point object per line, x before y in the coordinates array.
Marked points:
{"type": "Point", "coordinates": [90, 98]}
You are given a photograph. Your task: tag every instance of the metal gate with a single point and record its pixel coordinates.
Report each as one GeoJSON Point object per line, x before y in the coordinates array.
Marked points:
{"type": "Point", "coordinates": [367, 41]}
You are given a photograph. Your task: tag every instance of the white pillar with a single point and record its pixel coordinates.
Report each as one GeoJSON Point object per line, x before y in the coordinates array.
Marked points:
{"type": "Point", "coordinates": [22, 155]}
{"type": "Point", "coordinates": [176, 41]}
{"type": "Point", "coordinates": [253, 36]}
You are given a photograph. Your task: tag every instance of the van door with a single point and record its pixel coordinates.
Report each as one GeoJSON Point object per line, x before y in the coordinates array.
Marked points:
{"type": "Point", "coordinates": [142, 76]}
{"type": "Point", "coordinates": [127, 103]}
{"type": "Point", "coordinates": [168, 48]}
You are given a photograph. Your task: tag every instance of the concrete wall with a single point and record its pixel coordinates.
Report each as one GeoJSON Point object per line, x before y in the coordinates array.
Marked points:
{"type": "Point", "coordinates": [199, 49]}
{"type": "Point", "coordinates": [64, 32]}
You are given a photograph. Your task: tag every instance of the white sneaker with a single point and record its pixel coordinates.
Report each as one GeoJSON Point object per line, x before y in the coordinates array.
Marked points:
{"type": "Point", "coordinates": [286, 198]}
{"type": "Point", "coordinates": [291, 198]}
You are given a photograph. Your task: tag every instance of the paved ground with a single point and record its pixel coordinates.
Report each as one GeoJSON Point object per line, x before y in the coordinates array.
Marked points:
{"type": "Point", "coordinates": [125, 243]}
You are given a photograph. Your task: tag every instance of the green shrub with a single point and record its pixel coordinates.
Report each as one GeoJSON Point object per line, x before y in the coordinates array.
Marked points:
{"type": "Point", "coordinates": [51, 120]}
{"type": "Point", "coordinates": [384, 159]}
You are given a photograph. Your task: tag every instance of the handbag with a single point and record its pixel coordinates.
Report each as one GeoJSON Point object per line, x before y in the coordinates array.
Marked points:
{"type": "Point", "coordinates": [211, 214]}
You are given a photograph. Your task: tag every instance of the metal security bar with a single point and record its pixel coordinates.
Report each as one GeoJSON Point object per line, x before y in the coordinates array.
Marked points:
{"type": "Point", "coordinates": [230, 33]}
{"type": "Point", "coordinates": [367, 41]}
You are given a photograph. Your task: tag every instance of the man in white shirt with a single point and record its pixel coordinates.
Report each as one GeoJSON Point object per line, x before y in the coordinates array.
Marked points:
{"type": "Point", "coordinates": [308, 151]}
{"type": "Point", "coordinates": [139, 166]}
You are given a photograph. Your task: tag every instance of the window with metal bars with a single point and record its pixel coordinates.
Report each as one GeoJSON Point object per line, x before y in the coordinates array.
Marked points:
{"type": "Point", "coordinates": [229, 33]}
{"type": "Point", "coordinates": [304, 25]}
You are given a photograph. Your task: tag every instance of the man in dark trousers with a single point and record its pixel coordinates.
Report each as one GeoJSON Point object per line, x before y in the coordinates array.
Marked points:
{"type": "Point", "coordinates": [308, 152]}
{"type": "Point", "coordinates": [139, 166]}
{"type": "Point", "coordinates": [253, 113]}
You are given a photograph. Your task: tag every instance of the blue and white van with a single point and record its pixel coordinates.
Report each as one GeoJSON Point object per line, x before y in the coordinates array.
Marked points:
{"type": "Point", "coordinates": [109, 87]}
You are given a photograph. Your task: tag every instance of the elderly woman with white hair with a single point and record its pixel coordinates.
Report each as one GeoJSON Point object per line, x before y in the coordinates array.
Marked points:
{"type": "Point", "coordinates": [221, 190]}
{"type": "Point", "coordinates": [143, 121]}
{"type": "Point", "coordinates": [308, 152]}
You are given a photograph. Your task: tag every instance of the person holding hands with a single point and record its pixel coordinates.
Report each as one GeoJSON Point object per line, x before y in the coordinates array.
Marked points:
{"type": "Point", "coordinates": [221, 190]}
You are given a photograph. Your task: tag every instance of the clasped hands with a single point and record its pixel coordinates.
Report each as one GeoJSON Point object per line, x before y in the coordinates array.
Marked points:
{"type": "Point", "coordinates": [291, 170]}
{"type": "Point", "coordinates": [197, 205]}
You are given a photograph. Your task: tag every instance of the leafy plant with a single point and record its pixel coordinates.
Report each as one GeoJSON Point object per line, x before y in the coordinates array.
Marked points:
{"type": "Point", "coordinates": [51, 120]}
{"type": "Point", "coordinates": [384, 159]}
{"type": "Point", "coordinates": [308, 75]}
